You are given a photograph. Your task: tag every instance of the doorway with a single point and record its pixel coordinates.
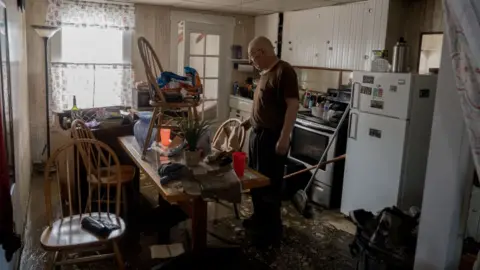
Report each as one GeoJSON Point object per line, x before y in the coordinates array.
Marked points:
{"type": "Point", "coordinates": [200, 46]}
{"type": "Point", "coordinates": [430, 53]}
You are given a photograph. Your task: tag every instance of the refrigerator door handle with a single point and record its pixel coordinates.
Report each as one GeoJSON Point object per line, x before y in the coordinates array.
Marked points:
{"type": "Point", "coordinates": [352, 99]}
{"type": "Point", "coordinates": [352, 118]}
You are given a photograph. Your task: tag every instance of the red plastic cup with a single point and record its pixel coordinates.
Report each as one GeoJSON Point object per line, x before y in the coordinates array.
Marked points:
{"type": "Point", "coordinates": [165, 136]}
{"type": "Point", "coordinates": [239, 159]}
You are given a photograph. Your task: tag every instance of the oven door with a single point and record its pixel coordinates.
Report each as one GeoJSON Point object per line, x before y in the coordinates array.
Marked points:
{"type": "Point", "coordinates": [307, 147]}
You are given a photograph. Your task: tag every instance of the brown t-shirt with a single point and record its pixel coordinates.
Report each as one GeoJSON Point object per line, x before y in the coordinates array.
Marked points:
{"type": "Point", "coordinates": [274, 87]}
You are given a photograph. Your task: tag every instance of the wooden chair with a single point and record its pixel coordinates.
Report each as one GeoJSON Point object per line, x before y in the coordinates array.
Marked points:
{"type": "Point", "coordinates": [64, 234]}
{"type": "Point", "coordinates": [80, 131]}
{"type": "Point", "coordinates": [153, 69]}
{"type": "Point", "coordinates": [227, 127]}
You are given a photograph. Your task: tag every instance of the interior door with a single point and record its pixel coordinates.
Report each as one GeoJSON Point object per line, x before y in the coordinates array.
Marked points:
{"type": "Point", "coordinates": [374, 165]}
{"type": "Point", "coordinates": [204, 51]}
{"type": "Point", "coordinates": [383, 93]}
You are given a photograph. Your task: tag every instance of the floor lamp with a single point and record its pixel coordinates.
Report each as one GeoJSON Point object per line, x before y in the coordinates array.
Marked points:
{"type": "Point", "coordinates": [46, 32]}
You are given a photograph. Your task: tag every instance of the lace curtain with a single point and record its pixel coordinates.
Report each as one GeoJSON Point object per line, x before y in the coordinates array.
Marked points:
{"type": "Point", "coordinates": [463, 28]}
{"type": "Point", "coordinates": [93, 85]}
{"type": "Point", "coordinates": [91, 14]}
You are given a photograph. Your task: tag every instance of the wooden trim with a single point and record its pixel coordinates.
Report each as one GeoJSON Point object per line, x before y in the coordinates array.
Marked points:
{"type": "Point", "coordinates": [322, 68]}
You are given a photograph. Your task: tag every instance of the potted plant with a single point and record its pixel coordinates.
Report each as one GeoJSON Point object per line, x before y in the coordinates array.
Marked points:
{"type": "Point", "coordinates": [192, 130]}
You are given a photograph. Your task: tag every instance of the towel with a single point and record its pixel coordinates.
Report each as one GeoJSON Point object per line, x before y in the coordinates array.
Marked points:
{"type": "Point", "coordinates": [223, 185]}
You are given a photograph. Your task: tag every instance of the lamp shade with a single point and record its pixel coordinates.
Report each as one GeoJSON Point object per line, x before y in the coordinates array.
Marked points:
{"type": "Point", "coordinates": [45, 31]}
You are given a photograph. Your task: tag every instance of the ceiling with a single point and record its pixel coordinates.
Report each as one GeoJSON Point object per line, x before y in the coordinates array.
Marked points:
{"type": "Point", "coordinates": [254, 7]}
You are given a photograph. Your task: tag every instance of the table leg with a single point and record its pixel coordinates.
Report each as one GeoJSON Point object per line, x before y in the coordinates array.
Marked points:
{"type": "Point", "coordinates": [199, 224]}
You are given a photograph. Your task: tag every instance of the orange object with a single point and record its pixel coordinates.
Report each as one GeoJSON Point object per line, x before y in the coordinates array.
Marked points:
{"type": "Point", "coordinates": [165, 136]}
{"type": "Point", "coordinates": [239, 160]}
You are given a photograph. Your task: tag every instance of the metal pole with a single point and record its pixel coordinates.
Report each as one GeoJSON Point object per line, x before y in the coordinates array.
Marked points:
{"type": "Point", "coordinates": [47, 103]}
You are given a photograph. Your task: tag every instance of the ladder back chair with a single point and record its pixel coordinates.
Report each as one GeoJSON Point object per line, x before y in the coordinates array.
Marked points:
{"type": "Point", "coordinates": [153, 69]}
{"type": "Point", "coordinates": [228, 126]}
{"type": "Point", "coordinates": [80, 131]}
{"type": "Point", "coordinates": [64, 234]}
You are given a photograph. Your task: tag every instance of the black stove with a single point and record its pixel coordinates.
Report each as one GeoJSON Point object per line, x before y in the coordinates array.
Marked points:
{"type": "Point", "coordinates": [307, 115]}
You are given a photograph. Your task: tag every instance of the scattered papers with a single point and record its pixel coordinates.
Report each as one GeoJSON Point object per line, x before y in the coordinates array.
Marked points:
{"type": "Point", "coordinates": [166, 251]}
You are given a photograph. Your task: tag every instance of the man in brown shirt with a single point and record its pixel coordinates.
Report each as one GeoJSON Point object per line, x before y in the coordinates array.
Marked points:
{"type": "Point", "coordinates": [274, 111]}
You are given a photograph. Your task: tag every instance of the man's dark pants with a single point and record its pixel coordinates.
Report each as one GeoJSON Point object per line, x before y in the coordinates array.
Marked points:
{"type": "Point", "coordinates": [267, 200]}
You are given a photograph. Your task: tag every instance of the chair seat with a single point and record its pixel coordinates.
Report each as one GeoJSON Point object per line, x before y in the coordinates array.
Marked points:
{"type": "Point", "coordinates": [174, 105]}
{"type": "Point", "coordinates": [67, 233]}
{"type": "Point", "coordinates": [127, 175]}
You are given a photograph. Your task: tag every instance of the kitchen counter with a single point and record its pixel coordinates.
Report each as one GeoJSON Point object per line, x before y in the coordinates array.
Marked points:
{"type": "Point", "coordinates": [241, 98]}
{"type": "Point", "coordinates": [240, 103]}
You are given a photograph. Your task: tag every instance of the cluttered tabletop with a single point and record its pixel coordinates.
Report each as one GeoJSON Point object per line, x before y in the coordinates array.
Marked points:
{"type": "Point", "coordinates": [173, 191]}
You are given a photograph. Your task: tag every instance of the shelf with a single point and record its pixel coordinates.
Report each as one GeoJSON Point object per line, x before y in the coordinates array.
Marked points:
{"type": "Point", "coordinates": [240, 61]}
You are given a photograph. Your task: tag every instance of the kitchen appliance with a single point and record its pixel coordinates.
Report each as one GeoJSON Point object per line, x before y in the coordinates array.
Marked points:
{"type": "Point", "coordinates": [310, 137]}
{"type": "Point", "coordinates": [141, 98]}
{"type": "Point", "coordinates": [400, 56]}
{"type": "Point", "coordinates": [388, 135]}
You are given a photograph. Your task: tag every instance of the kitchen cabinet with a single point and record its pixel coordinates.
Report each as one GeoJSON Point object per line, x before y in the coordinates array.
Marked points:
{"type": "Point", "coordinates": [352, 35]}
{"type": "Point", "coordinates": [341, 37]}
{"type": "Point", "coordinates": [267, 26]}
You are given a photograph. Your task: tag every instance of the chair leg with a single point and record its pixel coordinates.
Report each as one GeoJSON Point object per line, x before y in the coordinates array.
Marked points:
{"type": "Point", "coordinates": [149, 133]}
{"type": "Point", "coordinates": [118, 256]}
{"type": "Point", "coordinates": [88, 206]}
{"type": "Point", "coordinates": [235, 208]}
{"type": "Point", "coordinates": [195, 113]}
{"type": "Point", "coordinates": [159, 125]}
{"type": "Point", "coordinates": [125, 201]}
{"type": "Point", "coordinates": [51, 264]}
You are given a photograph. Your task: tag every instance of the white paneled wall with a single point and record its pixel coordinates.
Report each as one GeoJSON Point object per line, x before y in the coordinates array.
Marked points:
{"type": "Point", "coordinates": [339, 37]}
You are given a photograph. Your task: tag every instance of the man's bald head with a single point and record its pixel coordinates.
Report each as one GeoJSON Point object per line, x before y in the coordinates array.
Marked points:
{"type": "Point", "coordinates": [261, 43]}
{"type": "Point", "coordinates": [261, 52]}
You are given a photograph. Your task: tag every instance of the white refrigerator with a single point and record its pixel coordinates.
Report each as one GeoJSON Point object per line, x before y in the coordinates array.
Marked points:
{"type": "Point", "coordinates": [388, 140]}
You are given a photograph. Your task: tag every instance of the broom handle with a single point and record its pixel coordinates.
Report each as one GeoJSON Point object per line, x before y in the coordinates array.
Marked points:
{"type": "Point", "coordinates": [324, 155]}
{"type": "Point", "coordinates": [342, 157]}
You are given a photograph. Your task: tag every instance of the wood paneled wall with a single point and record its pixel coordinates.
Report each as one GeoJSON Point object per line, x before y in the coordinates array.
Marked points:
{"type": "Point", "coordinates": [35, 15]}
{"type": "Point", "coordinates": [153, 23]}
{"type": "Point", "coordinates": [423, 16]}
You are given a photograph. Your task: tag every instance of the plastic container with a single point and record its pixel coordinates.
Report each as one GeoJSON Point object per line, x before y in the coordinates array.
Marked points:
{"type": "Point", "coordinates": [165, 136]}
{"type": "Point", "coordinates": [317, 111]}
{"type": "Point", "coordinates": [239, 160]}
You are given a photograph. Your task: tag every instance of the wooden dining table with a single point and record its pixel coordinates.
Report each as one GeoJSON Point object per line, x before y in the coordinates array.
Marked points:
{"type": "Point", "coordinates": [194, 206]}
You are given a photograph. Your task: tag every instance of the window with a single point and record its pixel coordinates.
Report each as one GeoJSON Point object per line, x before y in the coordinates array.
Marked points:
{"type": "Point", "coordinates": [91, 45]}
{"type": "Point", "coordinates": [92, 64]}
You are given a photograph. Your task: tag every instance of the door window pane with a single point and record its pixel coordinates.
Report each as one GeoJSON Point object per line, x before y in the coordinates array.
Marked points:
{"type": "Point", "coordinates": [211, 67]}
{"type": "Point", "coordinates": [211, 88]}
{"type": "Point", "coordinates": [213, 45]}
{"type": "Point", "coordinates": [197, 43]}
{"type": "Point", "coordinates": [197, 63]}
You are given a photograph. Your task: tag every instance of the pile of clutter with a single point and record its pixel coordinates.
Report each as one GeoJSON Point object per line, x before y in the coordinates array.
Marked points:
{"type": "Point", "coordinates": [386, 240]}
